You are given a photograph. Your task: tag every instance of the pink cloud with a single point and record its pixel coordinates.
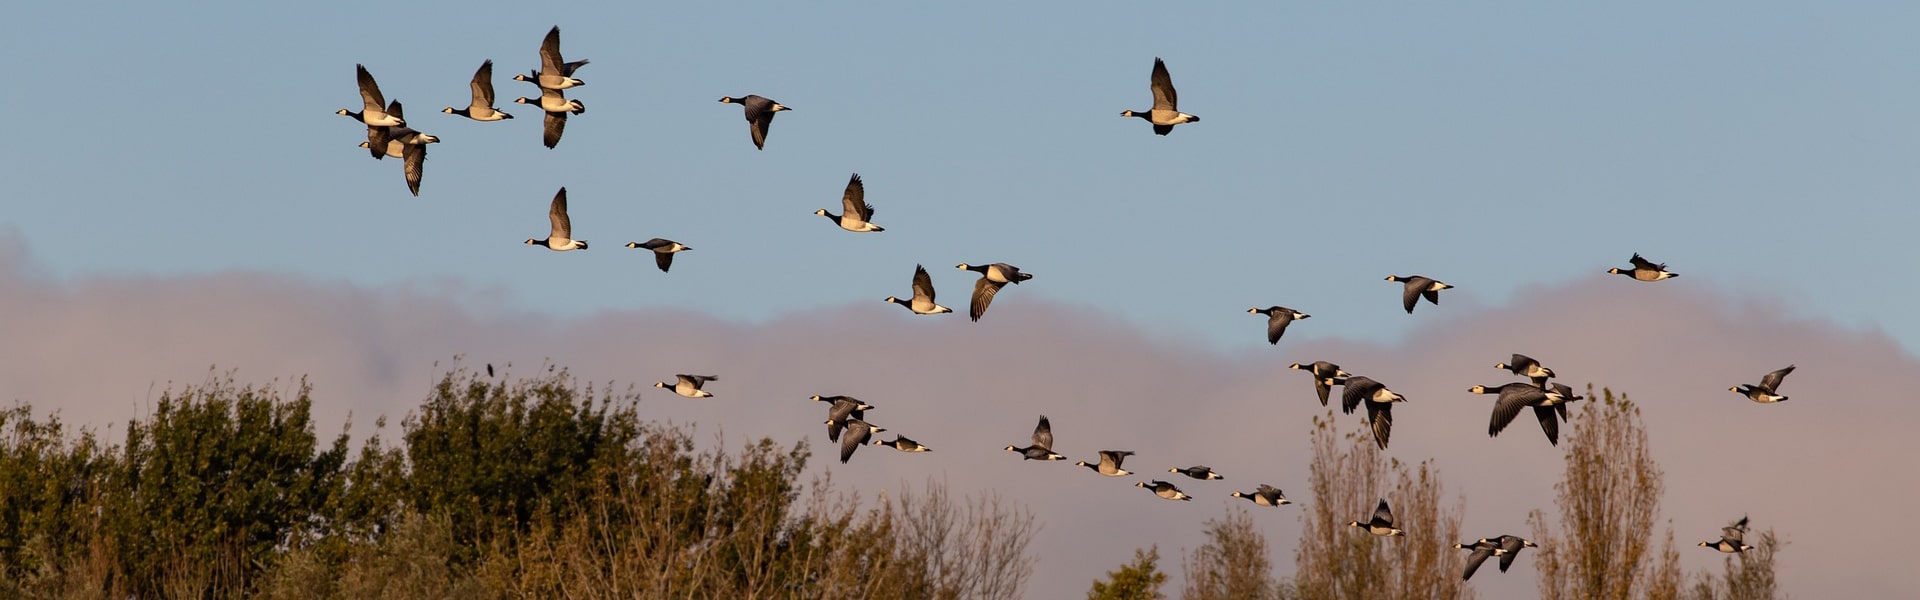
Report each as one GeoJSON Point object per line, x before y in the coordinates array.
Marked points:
{"type": "Point", "coordinates": [99, 349]}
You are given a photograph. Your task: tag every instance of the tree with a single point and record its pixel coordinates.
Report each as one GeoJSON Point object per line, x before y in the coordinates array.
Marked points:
{"type": "Point", "coordinates": [1347, 479]}
{"type": "Point", "coordinates": [1233, 565]}
{"type": "Point", "coordinates": [1609, 498]}
{"type": "Point", "coordinates": [1137, 580]}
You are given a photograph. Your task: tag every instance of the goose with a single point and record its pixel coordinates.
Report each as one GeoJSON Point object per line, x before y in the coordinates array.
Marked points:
{"type": "Point", "coordinates": [1165, 112]}
{"type": "Point", "coordinates": [857, 210]}
{"type": "Point", "coordinates": [838, 410]}
{"type": "Point", "coordinates": [408, 145]}
{"type": "Point", "coordinates": [1201, 472]}
{"type": "Point", "coordinates": [1382, 522]}
{"type": "Point", "coordinates": [1644, 270]}
{"type": "Point", "coordinates": [1042, 448]}
{"type": "Point", "coordinates": [1526, 366]}
{"type": "Point", "coordinates": [1767, 391]}
{"type": "Point", "coordinates": [759, 115]}
{"type": "Point", "coordinates": [555, 73]}
{"type": "Point", "coordinates": [901, 443]}
{"type": "Point", "coordinates": [561, 238]}
{"type": "Point", "coordinates": [689, 385]}
{"type": "Point", "coordinates": [858, 432]}
{"type": "Point", "coordinates": [992, 278]}
{"type": "Point", "coordinates": [1510, 547]}
{"type": "Point", "coordinates": [1418, 286]}
{"type": "Point", "coordinates": [1164, 490]}
{"type": "Point", "coordinates": [663, 250]}
{"type": "Point", "coordinates": [1379, 401]}
{"type": "Point", "coordinates": [481, 107]}
{"type": "Point", "coordinates": [922, 301]}
{"type": "Point", "coordinates": [1730, 538]}
{"type": "Point", "coordinates": [1566, 395]}
{"type": "Point", "coordinates": [557, 107]}
{"type": "Point", "coordinates": [1517, 395]}
{"type": "Point", "coordinates": [1278, 317]}
{"type": "Point", "coordinates": [1481, 550]}
{"type": "Point", "coordinates": [1325, 376]}
{"type": "Point", "coordinates": [373, 112]}
{"type": "Point", "coordinates": [1109, 464]}
{"type": "Point", "coordinates": [1265, 495]}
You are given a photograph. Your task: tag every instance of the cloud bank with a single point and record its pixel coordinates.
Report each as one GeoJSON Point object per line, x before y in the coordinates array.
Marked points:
{"type": "Point", "coordinates": [99, 350]}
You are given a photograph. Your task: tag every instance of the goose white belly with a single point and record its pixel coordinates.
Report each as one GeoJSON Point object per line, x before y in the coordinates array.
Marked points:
{"type": "Point", "coordinates": [381, 120]}
{"type": "Point", "coordinates": [854, 224]}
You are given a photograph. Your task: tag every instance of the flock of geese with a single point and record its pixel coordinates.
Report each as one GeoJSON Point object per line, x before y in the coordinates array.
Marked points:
{"type": "Point", "coordinates": [389, 135]}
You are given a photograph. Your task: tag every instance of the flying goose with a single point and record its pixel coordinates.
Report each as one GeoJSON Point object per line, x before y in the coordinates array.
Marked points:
{"type": "Point", "coordinates": [1566, 395]}
{"type": "Point", "coordinates": [373, 113]}
{"type": "Point", "coordinates": [1481, 550]}
{"type": "Point", "coordinates": [1042, 448]}
{"type": "Point", "coordinates": [1510, 547]}
{"type": "Point", "coordinates": [481, 107]}
{"type": "Point", "coordinates": [1730, 538]}
{"type": "Point", "coordinates": [1165, 112]}
{"type": "Point", "coordinates": [1278, 317]}
{"type": "Point", "coordinates": [1768, 390]}
{"type": "Point", "coordinates": [1382, 522]}
{"type": "Point", "coordinates": [555, 73]}
{"type": "Point", "coordinates": [1325, 376]}
{"type": "Point", "coordinates": [663, 250]}
{"type": "Point", "coordinates": [858, 432]}
{"type": "Point", "coordinates": [1517, 395]}
{"type": "Point", "coordinates": [1418, 286]}
{"type": "Point", "coordinates": [838, 410]}
{"type": "Point", "coordinates": [1109, 463]}
{"type": "Point", "coordinates": [759, 116]}
{"type": "Point", "coordinates": [1526, 366]}
{"type": "Point", "coordinates": [689, 385]}
{"type": "Point", "coordinates": [992, 278]}
{"type": "Point", "coordinates": [922, 301]}
{"type": "Point", "coordinates": [857, 212]}
{"type": "Point", "coordinates": [1645, 270]}
{"type": "Point", "coordinates": [561, 238]}
{"type": "Point", "coordinates": [557, 107]}
{"type": "Point", "coordinates": [1164, 490]}
{"type": "Point", "coordinates": [1266, 495]}
{"type": "Point", "coordinates": [1379, 401]}
{"type": "Point", "coordinates": [1201, 472]}
{"type": "Point", "coordinates": [901, 443]}
{"type": "Point", "coordinates": [405, 143]}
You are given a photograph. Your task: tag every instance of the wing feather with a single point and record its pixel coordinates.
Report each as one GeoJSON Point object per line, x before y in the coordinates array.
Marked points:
{"type": "Point", "coordinates": [557, 214]}
{"type": "Point", "coordinates": [855, 199]}
{"type": "Point", "coordinates": [482, 86]}
{"type": "Point", "coordinates": [1164, 96]}
{"type": "Point", "coordinates": [1772, 380]}
{"type": "Point", "coordinates": [1043, 434]}
{"type": "Point", "coordinates": [922, 283]}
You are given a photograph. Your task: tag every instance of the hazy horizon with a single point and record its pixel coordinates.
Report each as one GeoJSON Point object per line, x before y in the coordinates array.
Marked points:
{"type": "Point", "coordinates": [1175, 400]}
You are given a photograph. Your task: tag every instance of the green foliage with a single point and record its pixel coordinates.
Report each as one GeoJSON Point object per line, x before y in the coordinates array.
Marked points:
{"type": "Point", "coordinates": [1137, 580]}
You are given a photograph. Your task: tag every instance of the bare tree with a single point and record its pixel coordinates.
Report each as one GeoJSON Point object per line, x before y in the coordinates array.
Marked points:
{"type": "Point", "coordinates": [1233, 565]}
{"type": "Point", "coordinates": [1609, 498]}
{"type": "Point", "coordinates": [1347, 477]}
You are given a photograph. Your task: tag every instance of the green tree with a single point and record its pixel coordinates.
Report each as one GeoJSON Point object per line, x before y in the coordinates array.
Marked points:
{"type": "Point", "coordinates": [1137, 580]}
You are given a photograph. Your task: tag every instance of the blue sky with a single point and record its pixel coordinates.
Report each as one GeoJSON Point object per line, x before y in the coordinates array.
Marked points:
{"type": "Point", "coordinates": [1762, 147]}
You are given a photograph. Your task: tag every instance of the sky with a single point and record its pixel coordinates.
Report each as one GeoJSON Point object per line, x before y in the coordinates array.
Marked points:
{"type": "Point", "coordinates": [183, 196]}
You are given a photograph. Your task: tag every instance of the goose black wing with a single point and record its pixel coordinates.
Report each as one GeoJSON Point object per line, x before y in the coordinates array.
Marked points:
{"type": "Point", "coordinates": [1772, 380]}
